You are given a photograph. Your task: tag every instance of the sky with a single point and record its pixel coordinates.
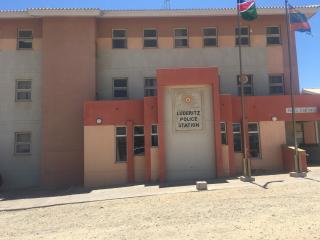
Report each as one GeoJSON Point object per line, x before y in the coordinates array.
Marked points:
{"type": "Point", "coordinates": [308, 47]}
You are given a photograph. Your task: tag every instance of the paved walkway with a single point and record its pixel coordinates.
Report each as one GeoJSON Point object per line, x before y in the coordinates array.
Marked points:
{"type": "Point", "coordinates": [39, 199]}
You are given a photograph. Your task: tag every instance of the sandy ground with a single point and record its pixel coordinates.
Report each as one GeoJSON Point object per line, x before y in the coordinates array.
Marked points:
{"type": "Point", "coordinates": [283, 211]}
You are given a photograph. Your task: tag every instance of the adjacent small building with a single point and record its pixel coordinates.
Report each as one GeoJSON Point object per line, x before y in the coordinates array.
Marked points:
{"type": "Point", "coordinates": [98, 98]}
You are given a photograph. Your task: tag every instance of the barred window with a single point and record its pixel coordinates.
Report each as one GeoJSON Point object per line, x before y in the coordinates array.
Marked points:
{"type": "Point", "coordinates": [210, 38]}
{"type": "Point", "coordinates": [150, 87]}
{"type": "Point", "coordinates": [138, 140]}
{"type": "Point", "coordinates": [150, 38]}
{"type": "Point", "coordinates": [119, 38]}
{"type": "Point", "coordinates": [273, 35]}
{"type": "Point", "coordinates": [237, 141]}
{"type": "Point", "coordinates": [247, 87]}
{"type": "Point", "coordinates": [23, 90]}
{"type": "Point", "coordinates": [120, 87]}
{"type": "Point", "coordinates": [154, 135]}
{"type": "Point", "coordinates": [244, 35]}
{"type": "Point", "coordinates": [24, 39]}
{"type": "Point", "coordinates": [181, 38]}
{"type": "Point", "coordinates": [22, 143]}
{"type": "Point", "coordinates": [223, 127]}
{"type": "Point", "coordinates": [254, 139]}
{"type": "Point", "coordinates": [276, 84]}
{"type": "Point", "coordinates": [121, 144]}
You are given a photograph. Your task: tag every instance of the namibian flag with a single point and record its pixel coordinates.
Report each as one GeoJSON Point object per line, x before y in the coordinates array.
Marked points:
{"type": "Point", "coordinates": [247, 9]}
{"type": "Point", "coordinates": [298, 21]}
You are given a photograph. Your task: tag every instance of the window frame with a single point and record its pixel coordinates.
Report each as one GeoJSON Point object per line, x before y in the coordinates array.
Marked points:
{"type": "Point", "coordinates": [16, 143]}
{"type": "Point", "coordinates": [245, 85]}
{"type": "Point", "coordinates": [178, 38]}
{"type": "Point", "coordinates": [121, 136]}
{"type": "Point", "coordinates": [210, 37]}
{"type": "Point", "coordinates": [24, 38]}
{"type": "Point", "coordinates": [240, 134]}
{"type": "Point", "coordinates": [274, 35]}
{"type": "Point", "coordinates": [23, 90]}
{"type": "Point", "coordinates": [259, 138]}
{"type": "Point", "coordinates": [276, 84]}
{"type": "Point", "coordinates": [146, 88]}
{"type": "Point", "coordinates": [120, 38]}
{"type": "Point", "coordinates": [120, 88]}
{"type": "Point", "coordinates": [224, 132]}
{"type": "Point", "coordinates": [155, 135]}
{"type": "Point", "coordinates": [150, 38]}
{"type": "Point", "coordinates": [134, 141]}
{"type": "Point", "coordinates": [243, 36]}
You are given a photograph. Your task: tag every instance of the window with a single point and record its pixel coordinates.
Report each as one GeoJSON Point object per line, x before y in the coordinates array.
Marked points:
{"type": "Point", "coordinates": [300, 133]}
{"type": "Point", "coordinates": [121, 144]}
{"type": "Point", "coordinates": [210, 37]}
{"type": "Point", "coordinates": [22, 143]}
{"type": "Point", "coordinates": [120, 88]}
{"type": "Point", "coordinates": [150, 38]}
{"type": "Point", "coordinates": [276, 84]}
{"type": "Point", "coordinates": [23, 90]}
{"type": "Point", "coordinates": [273, 35]}
{"type": "Point", "coordinates": [247, 87]}
{"type": "Point", "coordinates": [150, 87]}
{"type": "Point", "coordinates": [138, 140]}
{"type": "Point", "coordinates": [254, 139]}
{"type": "Point", "coordinates": [24, 39]}
{"type": "Point", "coordinates": [244, 35]}
{"type": "Point", "coordinates": [181, 37]}
{"type": "Point", "coordinates": [223, 127]}
{"type": "Point", "coordinates": [154, 135]}
{"type": "Point", "coordinates": [119, 38]}
{"type": "Point", "coordinates": [237, 142]}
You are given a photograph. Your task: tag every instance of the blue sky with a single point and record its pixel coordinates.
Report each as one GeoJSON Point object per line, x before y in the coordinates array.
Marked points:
{"type": "Point", "coordinates": [308, 47]}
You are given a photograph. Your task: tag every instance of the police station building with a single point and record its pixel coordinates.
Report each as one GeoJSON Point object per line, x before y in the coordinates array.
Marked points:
{"type": "Point", "coordinates": [97, 98]}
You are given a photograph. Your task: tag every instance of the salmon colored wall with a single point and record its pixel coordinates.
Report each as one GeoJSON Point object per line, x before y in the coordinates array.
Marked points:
{"type": "Point", "coordinates": [139, 169]}
{"type": "Point", "coordinates": [271, 154]}
{"type": "Point", "coordinates": [9, 28]}
{"type": "Point", "coordinates": [154, 164]}
{"type": "Point", "coordinates": [310, 136]}
{"type": "Point", "coordinates": [225, 159]}
{"type": "Point", "coordinates": [68, 82]}
{"type": "Point", "coordinates": [100, 168]}
{"type": "Point", "coordinates": [238, 162]}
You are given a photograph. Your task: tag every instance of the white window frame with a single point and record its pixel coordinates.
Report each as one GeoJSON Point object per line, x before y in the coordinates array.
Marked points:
{"type": "Point", "coordinates": [180, 37]}
{"type": "Point", "coordinates": [138, 135]}
{"type": "Point", "coordinates": [121, 136]}
{"type": "Point", "coordinates": [16, 143]}
{"type": "Point", "coordinates": [276, 84]}
{"type": "Point", "coordinates": [155, 134]}
{"type": "Point", "coordinates": [24, 38]}
{"type": "Point", "coordinates": [209, 37]}
{"type": "Point", "coordinates": [18, 90]}
{"type": "Point", "coordinates": [224, 132]}
{"type": "Point", "coordinates": [240, 133]}
{"type": "Point", "coordinates": [243, 36]}
{"type": "Point", "coordinates": [120, 38]}
{"type": "Point", "coordinates": [120, 88]}
{"type": "Point", "coordinates": [150, 87]}
{"type": "Point", "coordinates": [278, 35]}
{"type": "Point", "coordinates": [259, 137]}
{"type": "Point", "coordinates": [150, 38]}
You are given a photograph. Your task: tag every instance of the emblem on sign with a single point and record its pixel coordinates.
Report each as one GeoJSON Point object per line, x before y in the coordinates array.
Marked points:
{"type": "Point", "coordinates": [188, 99]}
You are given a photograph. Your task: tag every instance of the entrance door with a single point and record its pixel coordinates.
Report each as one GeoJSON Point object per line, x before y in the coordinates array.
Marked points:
{"type": "Point", "coordinates": [189, 131]}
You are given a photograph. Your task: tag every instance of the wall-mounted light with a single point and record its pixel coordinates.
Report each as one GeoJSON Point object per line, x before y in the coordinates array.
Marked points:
{"type": "Point", "coordinates": [274, 118]}
{"type": "Point", "coordinates": [99, 120]}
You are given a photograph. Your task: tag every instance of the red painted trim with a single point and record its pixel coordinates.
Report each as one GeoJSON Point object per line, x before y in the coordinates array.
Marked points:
{"type": "Point", "coordinates": [130, 155]}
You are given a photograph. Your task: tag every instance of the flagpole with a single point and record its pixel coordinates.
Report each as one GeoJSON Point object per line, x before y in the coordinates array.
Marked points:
{"type": "Point", "coordinates": [246, 163]}
{"type": "Point", "coordinates": [293, 115]}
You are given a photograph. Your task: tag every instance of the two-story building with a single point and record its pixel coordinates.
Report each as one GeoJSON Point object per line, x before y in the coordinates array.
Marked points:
{"type": "Point", "coordinates": [97, 97]}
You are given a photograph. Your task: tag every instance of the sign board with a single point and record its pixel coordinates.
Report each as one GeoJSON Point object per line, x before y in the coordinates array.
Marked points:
{"type": "Point", "coordinates": [188, 110]}
{"type": "Point", "coordinates": [303, 110]}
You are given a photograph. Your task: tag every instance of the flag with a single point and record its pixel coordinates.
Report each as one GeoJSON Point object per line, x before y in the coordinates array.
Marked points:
{"type": "Point", "coordinates": [248, 9]}
{"type": "Point", "coordinates": [298, 21]}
